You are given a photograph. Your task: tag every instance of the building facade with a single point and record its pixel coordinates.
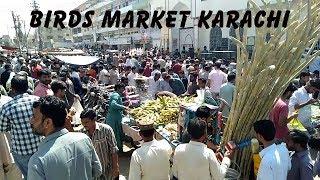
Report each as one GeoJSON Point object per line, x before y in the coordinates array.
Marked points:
{"type": "Point", "coordinates": [56, 37]}
{"type": "Point", "coordinates": [215, 38]}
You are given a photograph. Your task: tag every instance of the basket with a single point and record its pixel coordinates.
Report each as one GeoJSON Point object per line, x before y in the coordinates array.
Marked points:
{"type": "Point", "coordinates": [233, 174]}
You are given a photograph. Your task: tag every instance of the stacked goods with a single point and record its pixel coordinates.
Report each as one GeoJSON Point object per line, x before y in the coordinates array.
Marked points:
{"type": "Point", "coordinates": [274, 63]}
{"type": "Point", "coordinates": [164, 110]}
{"type": "Point", "coordinates": [172, 128]}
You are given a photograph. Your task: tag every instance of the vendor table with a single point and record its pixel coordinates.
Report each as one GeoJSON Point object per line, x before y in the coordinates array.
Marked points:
{"type": "Point", "coordinates": [129, 128]}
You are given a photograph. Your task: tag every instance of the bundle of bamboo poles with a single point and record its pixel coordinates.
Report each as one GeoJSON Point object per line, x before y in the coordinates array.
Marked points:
{"type": "Point", "coordinates": [273, 65]}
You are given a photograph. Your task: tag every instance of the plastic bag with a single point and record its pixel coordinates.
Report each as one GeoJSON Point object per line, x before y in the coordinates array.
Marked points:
{"type": "Point", "coordinates": [296, 124]}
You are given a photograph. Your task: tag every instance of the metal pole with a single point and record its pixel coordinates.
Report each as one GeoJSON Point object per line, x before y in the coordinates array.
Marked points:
{"type": "Point", "coordinates": [165, 37]}
{"type": "Point", "coordinates": [168, 29]}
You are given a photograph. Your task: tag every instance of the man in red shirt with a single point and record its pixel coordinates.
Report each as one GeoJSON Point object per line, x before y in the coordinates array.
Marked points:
{"type": "Point", "coordinates": [279, 113]}
{"type": "Point", "coordinates": [35, 69]}
{"type": "Point", "coordinates": [176, 67]}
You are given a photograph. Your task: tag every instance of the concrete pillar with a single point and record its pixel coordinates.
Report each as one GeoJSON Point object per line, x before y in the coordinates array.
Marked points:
{"type": "Point", "coordinates": [196, 34]}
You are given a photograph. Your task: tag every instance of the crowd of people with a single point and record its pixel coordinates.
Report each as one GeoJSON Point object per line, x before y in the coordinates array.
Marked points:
{"type": "Point", "coordinates": [38, 92]}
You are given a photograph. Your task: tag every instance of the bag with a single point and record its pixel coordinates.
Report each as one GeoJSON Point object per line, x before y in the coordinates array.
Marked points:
{"type": "Point", "coordinates": [296, 124]}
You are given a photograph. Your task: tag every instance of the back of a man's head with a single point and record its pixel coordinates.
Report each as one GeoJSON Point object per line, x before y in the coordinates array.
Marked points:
{"type": "Point", "coordinates": [19, 84]}
{"type": "Point", "coordinates": [58, 85]}
{"type": "Point", "coordinates": [231, 77]}
{"type": "Point", "coordinates": [266, 129]}
{"type": "Point", "coordinates": [299, 137]}
{"type": "Point", "coordinates": [197, 128]}
{"type": "Point", "coordinates": [149, 133]}
{"type": "Point", "coordinates": [203, 112]}
{"type": "Point", "coordinates": [304, 74]}
{"type": "Point", "coordinates": [315, 83]}
{"type": "Point", "coordinates": [53, 108]}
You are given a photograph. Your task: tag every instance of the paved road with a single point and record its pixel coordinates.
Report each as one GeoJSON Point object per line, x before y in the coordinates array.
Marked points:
{"type": "Point", "coordinates": [124, 161]}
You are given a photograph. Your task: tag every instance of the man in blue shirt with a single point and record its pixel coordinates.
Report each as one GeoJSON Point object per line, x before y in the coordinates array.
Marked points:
{"type": "Point", "coordinates": [302, 166]}
{"type": "Point", "coordinates": [62, 154]}
{"type": "Point", "coordinates": [176, 85]}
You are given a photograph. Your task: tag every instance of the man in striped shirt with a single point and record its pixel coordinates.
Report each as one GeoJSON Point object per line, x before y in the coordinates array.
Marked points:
{"type": "Point", "coordinates": [105, 144]}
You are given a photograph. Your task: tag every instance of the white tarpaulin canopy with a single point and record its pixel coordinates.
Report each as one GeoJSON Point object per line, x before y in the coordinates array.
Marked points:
{"type": "Point", "coordinates": [78, 60]}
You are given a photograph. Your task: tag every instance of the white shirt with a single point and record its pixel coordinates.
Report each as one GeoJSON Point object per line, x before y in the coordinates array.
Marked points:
{"type": "Point", "coordinates": [162, 63]}
{"type": "Point", "coordinates": [151, 161]}
{"type": "Point", "coordinates": [114, 76]}
{"type": "Point", "coordinates": [194, 161]}
{"type": "Point", "coordinates": [8, 84]}
{"type": "Point", "coordinates": [154, 72]}
{"type": "Point", "coordinates": [153, 87]}
{"type": "Point", "coordinates": [104, 76]}
{"type": "Point", "coordinates": [128, 63]}
{"type": "Point", "coordinates": [75, 74]}
{"type": "Point", "coordinates": [203, 74]}
{"type": "Point", "coordinates": [275, 163]}
{"type": "Point", "coordinates": [299, 97]}
{"type": "Point", "coordinates": [131, 77]}
{"type": "Point", "coordinates": [217, 78]}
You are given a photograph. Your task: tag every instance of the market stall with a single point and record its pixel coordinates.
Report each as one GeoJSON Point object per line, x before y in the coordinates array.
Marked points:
{"type": "Point", "coordinates": [170, 115]}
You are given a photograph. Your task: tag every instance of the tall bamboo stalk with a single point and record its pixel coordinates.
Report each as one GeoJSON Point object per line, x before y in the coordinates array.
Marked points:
{"type": "Point", "coordinates": [273, 66]}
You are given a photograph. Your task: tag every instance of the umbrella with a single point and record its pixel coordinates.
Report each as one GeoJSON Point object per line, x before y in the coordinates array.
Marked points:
{"type": "Point", "coordinates": [78, 60]}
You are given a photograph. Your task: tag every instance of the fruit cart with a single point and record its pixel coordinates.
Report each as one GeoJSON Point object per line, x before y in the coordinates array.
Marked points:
{"type": "Point", "coordinates": [164, 111]}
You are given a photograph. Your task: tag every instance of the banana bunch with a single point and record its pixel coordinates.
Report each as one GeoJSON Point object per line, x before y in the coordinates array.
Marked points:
{"type": "Point", "coordinates": [163, 110]}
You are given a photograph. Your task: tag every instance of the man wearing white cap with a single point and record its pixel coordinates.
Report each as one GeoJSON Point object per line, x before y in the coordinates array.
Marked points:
{"type": "Point", "coordinates": [151, 160]}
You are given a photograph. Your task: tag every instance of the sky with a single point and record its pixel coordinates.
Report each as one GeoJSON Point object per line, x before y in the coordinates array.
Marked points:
{"type": "Point", "coordinates": [23, 8]}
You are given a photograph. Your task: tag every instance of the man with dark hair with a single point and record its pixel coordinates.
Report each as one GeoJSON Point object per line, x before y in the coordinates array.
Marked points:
{"type": "Point", "coordinates": [152, 159]}
{"type": "Point", "coordinates": [202, 113]}
{"type": "Point", "coordinates": [193, 85]}
{"type": "Point", "coordinates": [62, 154]}
{"type": "Point", "coordinates": [207, 94]}
{"type": "Point", "coordinates": [316, 74]}
{"type": "Point", "coordinates": [163, 84]}
{"type": "Point", "coordinates": [6, 76]}
{"type": "Point", "coordinates": [226, 93]}
{"type": "Point", "coordinates": [104, 143]}
{"type": "Point", "coordinates": [15, 117]}
{"type": "Point", "coordinates": [275, 160]}
{"type": "Point", "coordinates": [216, 78]}
{"type": "Point", "coordinates": [302, 166]}
{"type": "Point", "coordinates": [195, 160]}
{"type": "Point", "coordinates": [70, 92]}
{"type": "Point", "coordinates": [59, 89]}
{"type": "Point", "coordinates": [43, 87]}
{"type": "Point", "coordinates": [115, 113]}
{"type": "Point", "coordinates": [114, 75]}
{"type": "Point", "coordinates": [301, 100]}
{"type": "Point", "coordinates": [35, 68]}
{"type": "Point", "coordinates": [303, 79]}
{"type": "Point", "coordinates": [156, 69]}
{"type": "Point", "coordinates": [153, 85]}
{"type": "Point", "coordinates": [132, 75]}
{"type": "Point", "coordinates": [280, 111]}
{"type": "Point", "coordinates": [176, 85]}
